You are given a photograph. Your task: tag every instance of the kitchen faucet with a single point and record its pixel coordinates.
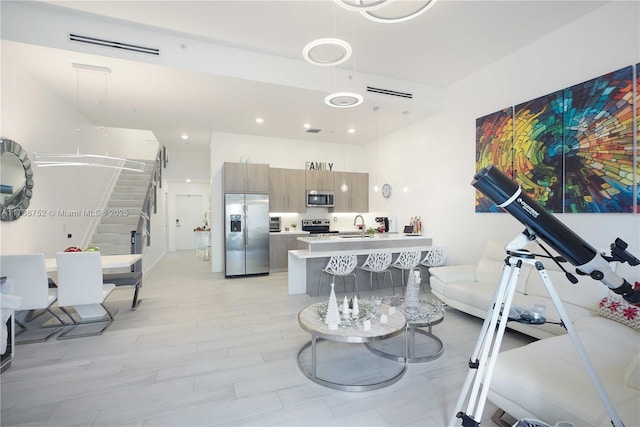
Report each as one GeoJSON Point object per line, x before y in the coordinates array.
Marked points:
{"type": "Point", "coordinates": [356, 220]}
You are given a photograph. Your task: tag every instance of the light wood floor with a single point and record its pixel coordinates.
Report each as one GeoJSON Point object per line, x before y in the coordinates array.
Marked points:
{"type": "Point", "coordinates": [202, 350]}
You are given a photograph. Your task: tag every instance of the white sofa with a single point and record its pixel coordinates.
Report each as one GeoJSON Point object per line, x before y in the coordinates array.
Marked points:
{"type": "Point", "coordinates": [546, 379]}
{"type": "Point", "coordinates": [470, 288]}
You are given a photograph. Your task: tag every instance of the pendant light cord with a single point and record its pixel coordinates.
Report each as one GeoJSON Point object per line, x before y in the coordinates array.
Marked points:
{"type": "Point", "coordinates": [104, 124]}
{"type": "Point", "coordinates": [344, 138]}
{"type": "Point", "coordinates": [78, 112]}
{"type": "Point", "coordinates": [405, 113]}
{"type": "Point", "coordinates": [376, 109]}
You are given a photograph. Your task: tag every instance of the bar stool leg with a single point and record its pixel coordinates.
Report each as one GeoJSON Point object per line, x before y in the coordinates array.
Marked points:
{"type": "Point", "coordinates": [355, 283]}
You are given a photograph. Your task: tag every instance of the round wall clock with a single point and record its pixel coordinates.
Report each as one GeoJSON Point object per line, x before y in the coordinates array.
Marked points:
{"type": "Point", "coordinates": [386, 191]}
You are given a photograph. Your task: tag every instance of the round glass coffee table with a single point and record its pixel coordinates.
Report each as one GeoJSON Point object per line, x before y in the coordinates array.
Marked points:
{"type": "Point", "coordinates": [418, 345]}
{"type": "Point", "coordinates": [327, 361]}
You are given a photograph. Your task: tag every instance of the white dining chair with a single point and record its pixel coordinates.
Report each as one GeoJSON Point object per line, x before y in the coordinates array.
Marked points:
{"type": "Point", "coordinates": [31, 283]}
{"type": "Point", "coordinates": [80, 284]}
{"type": "Point", "coordinates": [377, 262]}
{"type": "Point", "coordinates": [407, 260]}
{"type": "Point", "coordinates": [342, 266]}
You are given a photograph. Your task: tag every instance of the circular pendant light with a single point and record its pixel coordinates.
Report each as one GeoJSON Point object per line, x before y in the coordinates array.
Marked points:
{"type": "Point", "coordinates": [360, 5]}
{"type": "Point", "coordinates": [343, 100]}
{"type": "Point", "coordinates": [327, 52]}
{"type": "Point", "coordinates": [377, 17]}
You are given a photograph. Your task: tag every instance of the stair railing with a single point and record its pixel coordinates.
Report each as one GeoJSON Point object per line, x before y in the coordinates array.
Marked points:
{"type": "Point", "coordinates": [141, 236]}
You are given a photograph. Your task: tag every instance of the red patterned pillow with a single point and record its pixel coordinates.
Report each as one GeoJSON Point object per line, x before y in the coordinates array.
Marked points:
{"type": "Point", "coordinates": [614, 307]}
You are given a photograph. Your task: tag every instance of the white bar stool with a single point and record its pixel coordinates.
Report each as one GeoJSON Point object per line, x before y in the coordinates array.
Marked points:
{"type": "Point", "coordinates": [407, 260]}
{"type": "Point", "coordinates": [377, 262]}
{"type": "Point", "coordinates": [343, 266]}
{"type": "Point", "coordinates": [435, 256]}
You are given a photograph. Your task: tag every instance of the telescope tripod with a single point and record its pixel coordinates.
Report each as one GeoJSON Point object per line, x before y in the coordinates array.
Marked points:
{"type": "Point", "coordinates": [485, 353]}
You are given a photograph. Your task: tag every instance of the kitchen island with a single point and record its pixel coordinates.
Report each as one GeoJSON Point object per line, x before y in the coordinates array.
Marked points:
{"type": "Point", "coordinates": [305, 265]}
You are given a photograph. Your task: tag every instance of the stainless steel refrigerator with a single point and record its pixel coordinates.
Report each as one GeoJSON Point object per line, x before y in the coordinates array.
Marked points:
{"type": "Point", "coordinates": [246, 243]}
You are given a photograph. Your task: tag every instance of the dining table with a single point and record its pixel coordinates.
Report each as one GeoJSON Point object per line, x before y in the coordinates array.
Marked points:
{"type": "Point", "coordinates": [107, 262]}
{"type": "Point", "coordinates": [94, 311]}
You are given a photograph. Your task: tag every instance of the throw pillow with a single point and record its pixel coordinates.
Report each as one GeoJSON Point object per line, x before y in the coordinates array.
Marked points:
{"type": "Point", "coordinates": [614, 307]}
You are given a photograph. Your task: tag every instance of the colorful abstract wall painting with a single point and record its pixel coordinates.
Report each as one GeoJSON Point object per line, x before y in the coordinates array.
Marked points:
{"type": "Point", "coordinates": [539, 150]}
{"type": "Point", "coordinates": [637, 105]}
{"type": "Point", "coordinates": [572, 150]}
{"type": "Point", "coordinates": [494, 146]}
{"type": "Point", "coordinates": [599, 144]}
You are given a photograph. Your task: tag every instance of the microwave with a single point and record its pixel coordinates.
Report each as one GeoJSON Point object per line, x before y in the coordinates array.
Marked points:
{"type": "Point", "coordinates": [320, 198]}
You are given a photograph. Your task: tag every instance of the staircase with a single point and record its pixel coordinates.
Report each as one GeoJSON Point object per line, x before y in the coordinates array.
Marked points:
{"type": "Point", "coordinates": [122, 212]}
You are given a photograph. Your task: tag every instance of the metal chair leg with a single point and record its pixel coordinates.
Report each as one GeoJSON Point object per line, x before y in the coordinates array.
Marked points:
{"type": "Point", "coordinates": [355, 284]}
{"type": "Point", "coordinates": [320, 282]}
{"type": "Point", "coordinates": [135, 303]}
{"type": "Point", "coordinates": [393, 286]}
{"type": "Point", "coordinates": [57, 327]}
{"type": "Point", "coordinates": [109, 320]}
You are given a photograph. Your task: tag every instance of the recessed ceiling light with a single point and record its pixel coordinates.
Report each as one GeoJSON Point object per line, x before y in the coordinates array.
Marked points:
{"type": "Point", "coordinates": [188, 180]}
{"type": "Point", "coordinates": [184, 136]}
{"type": "Point", "coordinates": [307, 125]}
{"type": "Point", "coordinates": [351, 130]}
{"type": "Point", "coordinates": [333, 52]}
{"type": "Point", "coordinates": [259, 120]}
{"type": "Point", "coordinates": [343, 99]}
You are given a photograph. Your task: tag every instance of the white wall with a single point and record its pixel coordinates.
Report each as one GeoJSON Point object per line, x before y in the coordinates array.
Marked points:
{"type": "Point", "coordinates": [188, 160]}
{"type": "Point", "coordinates": [132, 143]}
{"type": "Point", "coordinates": [442, 161]}
{"type": "Point", "coordinates": [35, 117]}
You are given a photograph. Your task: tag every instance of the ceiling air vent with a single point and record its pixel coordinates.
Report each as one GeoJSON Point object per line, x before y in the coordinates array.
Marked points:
{"type": "Point", "coordinates": [113, 44]}
{"type": "Point", "coordinates": [313, 130]}
{"type": "Point", "coordinates": [389, 92]}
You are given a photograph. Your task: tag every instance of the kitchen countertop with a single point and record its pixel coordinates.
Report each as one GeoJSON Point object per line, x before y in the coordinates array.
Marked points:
{"type": "Point", "coordinates": [316, 236]}
{"type": "Point", "coordinates": [289, 233]}
{"type": "Point", "coordinates": [305, 264]}
{"type": "Point", "coordinates": [355, 242]}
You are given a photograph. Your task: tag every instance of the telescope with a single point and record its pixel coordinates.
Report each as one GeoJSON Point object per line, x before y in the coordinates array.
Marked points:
{"type": "Point", "coordinates": [508, 195]}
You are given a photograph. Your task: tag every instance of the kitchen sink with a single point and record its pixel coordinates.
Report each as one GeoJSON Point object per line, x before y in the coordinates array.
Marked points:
{"type": "Point", "coordinates": [356, 237]}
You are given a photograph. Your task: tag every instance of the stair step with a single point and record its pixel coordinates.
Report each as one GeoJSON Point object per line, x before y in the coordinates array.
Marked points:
{"type": "Point", "coordinates": [99, 238]}
{"type": "Point", "coordinates": [113, 233]}
{"type": "Point", "coordinates": [131, 220]}
{"type": "Point", "coordinates": [148, 167]}
{"type": "Point", "coordinates": [125, 204]}
{"type": "Point", "coordinates": [147, 172]}
{"type": "Point", "coordinates": [116, 228]}
{"type": "Point", "coordinates": [129, 189]}
{"type": "Point", "coordinates": [135, 180]}
{"type": "Point", "coordinates": [128, 196]}
{"type": "Point", "coordinates": [115, 248]}
{"type": "Point", "coordinates": [143, 175]}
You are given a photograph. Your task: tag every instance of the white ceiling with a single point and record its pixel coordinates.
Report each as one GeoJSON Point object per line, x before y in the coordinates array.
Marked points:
{"type": "Point", "coordinates": [452, 40]}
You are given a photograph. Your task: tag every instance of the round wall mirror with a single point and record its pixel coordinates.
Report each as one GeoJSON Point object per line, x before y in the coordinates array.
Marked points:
{"type": "Point", "coordinates": [16, 180]}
